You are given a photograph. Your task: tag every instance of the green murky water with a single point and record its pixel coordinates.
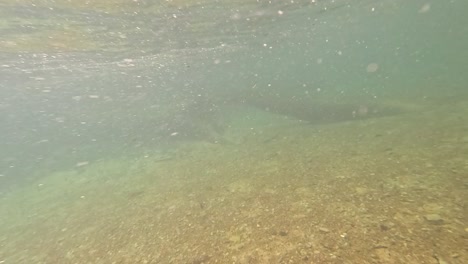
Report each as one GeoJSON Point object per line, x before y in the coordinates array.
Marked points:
{"type": "Point", "coordinates": [100, 101]}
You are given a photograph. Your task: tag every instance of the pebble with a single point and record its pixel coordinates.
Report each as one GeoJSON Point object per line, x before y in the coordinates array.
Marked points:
{"type": "Point", "coordinates": [434, 219]}
{"type": "Point", "coordinates": [386, 225]}
{"type": "Point", "coordinates": [324, 230]}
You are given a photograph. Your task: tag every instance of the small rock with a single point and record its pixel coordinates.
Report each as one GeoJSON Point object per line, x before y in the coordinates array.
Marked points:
{"type": "Point", "coordinates": [386, 225]}
{"type": "Point", "coordinates": [324, 230]}
{"type": "Point", "coordinates": [434, 219]}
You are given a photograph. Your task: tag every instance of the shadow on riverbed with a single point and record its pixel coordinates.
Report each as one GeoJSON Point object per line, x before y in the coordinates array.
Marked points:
{"type": "Point", "coordinates": [207, 120]}
{"type": "Point", "coordinates": [320, 112]}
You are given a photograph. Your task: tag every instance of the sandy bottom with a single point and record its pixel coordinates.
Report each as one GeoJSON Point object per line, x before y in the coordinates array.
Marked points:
{"type": "Point", "coordinates": [386, 190]}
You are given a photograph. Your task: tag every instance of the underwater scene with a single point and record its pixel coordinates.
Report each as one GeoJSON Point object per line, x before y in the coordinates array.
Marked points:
{"type": "Point", "coordinates": [233, 131]}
